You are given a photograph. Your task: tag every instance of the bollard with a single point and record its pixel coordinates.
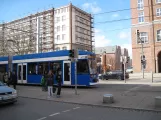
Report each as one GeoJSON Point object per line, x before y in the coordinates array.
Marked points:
{"type": "Point", "coordinates": [152, 75]}
{"type": "Point", "coordinates": [108, 98]}
{"type": "Point", "coordinates": [158, 101]}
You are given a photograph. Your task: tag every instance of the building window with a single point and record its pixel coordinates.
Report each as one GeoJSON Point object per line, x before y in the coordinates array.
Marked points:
{"type": "Point", "coordinates": [64, 9]}
{"type": "Point", "coordinates": [76, 37]}
{"type": "Point", "coordinates": [58, 19]}
{"type": "Point", "coordinates": [58, 37]}
{"type": "Point", "coordinates": [81, 20]}
{"type": "Point", "coordinates": [158, 35]}
{"type": "Point", "coordinates": [64, 48]}
{"type": "Point", "coordinates": [140, 4]}
{"type": "Point", "coordinates": [63, 18]}
{"type": "Point", "coordinates": [57, 49]}
{"type": "Point", "coordinates": [63, 36]}
{"type": "Point", "coordinates": [158, 1]}
{"type": "Point", "coordinates": [141, 17]}
{"type": "Point", "coordinates": [158, 11]}
{"type": "Point", "coordinates": [63, 27]}
{"type": "Point", "coordinates": [143, 37]}
{"type": "Point", "coordinates": [58, 11]}
{"type": "Point", "coordinates": [58, 28]}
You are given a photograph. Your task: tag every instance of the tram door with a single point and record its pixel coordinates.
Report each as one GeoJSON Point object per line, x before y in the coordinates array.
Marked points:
{"type": "Point", "coordinates": [22, 73]}
{"type": "Point", "coordinates": [67, 72]}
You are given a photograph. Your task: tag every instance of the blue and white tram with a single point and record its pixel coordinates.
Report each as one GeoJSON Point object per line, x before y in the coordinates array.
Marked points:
{"type": "Point", "coordinates": [30, 67]}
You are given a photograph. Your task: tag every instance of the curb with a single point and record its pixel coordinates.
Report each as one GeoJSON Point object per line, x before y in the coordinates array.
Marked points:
{"type": "Point", "coordinates": [96, 105]}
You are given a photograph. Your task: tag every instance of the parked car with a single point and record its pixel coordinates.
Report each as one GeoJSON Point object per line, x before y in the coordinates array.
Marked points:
{"type": "Point", "coordinates": [129, 70]}
{"type": "Point", "coordinates": [117, 74]}
{"type": "Point", "coordinates": [7, 94]}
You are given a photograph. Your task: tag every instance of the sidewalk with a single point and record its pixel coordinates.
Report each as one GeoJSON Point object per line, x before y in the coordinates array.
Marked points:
{"type": "Point", "coordinates": [136, 97]}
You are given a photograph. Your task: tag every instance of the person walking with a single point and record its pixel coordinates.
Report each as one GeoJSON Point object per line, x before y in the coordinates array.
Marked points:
{"type": "Point", "coordinates": [50, 84]}
{"type": "Point", "coordinates": [14, 79]}
{"type": "Point", "coordinates": [59, 80]}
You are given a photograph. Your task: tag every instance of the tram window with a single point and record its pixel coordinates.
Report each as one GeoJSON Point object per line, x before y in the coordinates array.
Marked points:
{"type": "Point", "coordinates": [54, 66]}
{"type": "Point", "coordinates": [2, 68]}
{"type": "Point", "coordinates": [32, 68]}
{"type": "Point", "coordinates": [82, 67]}
{"type": "Point", "coordinates": [15, 67]}
{"type": "Point", "coordinates": [43, 67]}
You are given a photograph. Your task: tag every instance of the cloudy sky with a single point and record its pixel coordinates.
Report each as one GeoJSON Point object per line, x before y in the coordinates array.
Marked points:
{"type": "Point", "coordinates": [107, 31]}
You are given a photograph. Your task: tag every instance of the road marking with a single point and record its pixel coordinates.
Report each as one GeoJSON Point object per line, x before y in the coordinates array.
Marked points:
{"type": "Point", "coordinates": [66, 110]}
{"type": "Point", "coordinates": [133, 89]}
{"type": "Point", "coordinates": [76, 108]}
{"type": "Point", "coordinates": [42, 118]}
{"type": "Point", "coordinates": [54, 114]}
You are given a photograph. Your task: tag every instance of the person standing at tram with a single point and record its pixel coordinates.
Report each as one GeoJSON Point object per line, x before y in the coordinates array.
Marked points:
{"type": "Point", "coordinates": [59, 80]}
{"type": "Point", "coordinates": [14, 80]}
{"type": "Point", "coordinates": [50, 84]}
{"type": "Point", "coordinates": [44, 81]}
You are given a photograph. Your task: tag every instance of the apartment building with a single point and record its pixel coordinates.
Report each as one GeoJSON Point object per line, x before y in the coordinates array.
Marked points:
{"type": "Point", "coordinates": [146, 16]}
{"type": "Point", "coordinates": [63, 28]}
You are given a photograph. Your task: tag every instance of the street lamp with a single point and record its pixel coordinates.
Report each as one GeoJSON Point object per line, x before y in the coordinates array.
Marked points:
{"type": "Point", "coordinates": [104, 61]}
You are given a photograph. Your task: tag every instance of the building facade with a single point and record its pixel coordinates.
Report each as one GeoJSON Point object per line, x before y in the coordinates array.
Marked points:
{"type": "Point", "coordinates": [146, 16]}
{"type": "Point", "coordinates": [67, 27]}
{"type": "Point", "coordinates": [110, 56]}
{"type": "Point", "coordinates": [124, 52]}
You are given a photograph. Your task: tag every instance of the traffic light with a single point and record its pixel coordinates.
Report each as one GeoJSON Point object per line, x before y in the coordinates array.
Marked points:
{"type": "Point", "coordinates": [143, 57]}
{"type": "Point", "coordinates": [138, 35]}
{"type": "Point", "coordinates": [128, 59]}
{"type": "Point", "coordinates": [71, 53]}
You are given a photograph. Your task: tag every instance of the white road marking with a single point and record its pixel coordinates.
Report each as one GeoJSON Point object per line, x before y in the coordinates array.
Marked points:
{"type": "Point", "coordinates": [76, 108]}
{"type": "Point", "coordinates": [54, 114]}
{"type": "Point", "coordinates": [66, 110]}
{"type": "Point", "coordinates": [133, 89]}
{"type": "Point", "coordinates": [42, 118]}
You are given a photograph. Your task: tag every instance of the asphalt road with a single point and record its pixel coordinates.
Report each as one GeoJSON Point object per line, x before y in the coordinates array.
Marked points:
{"type": "Point", "coordinates": [33, 109]}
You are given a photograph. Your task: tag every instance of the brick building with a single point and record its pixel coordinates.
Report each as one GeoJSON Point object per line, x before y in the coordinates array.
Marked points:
{"type": "Point", "coordinates": [146, 16]}
{"type": "Point", "coordinates": [110, 56]}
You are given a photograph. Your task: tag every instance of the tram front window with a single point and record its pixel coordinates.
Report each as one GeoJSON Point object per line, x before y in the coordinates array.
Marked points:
{"type": "Point", "coordinates": [82, 67]}
{"type": "Point", "coordinates": [92, 66]}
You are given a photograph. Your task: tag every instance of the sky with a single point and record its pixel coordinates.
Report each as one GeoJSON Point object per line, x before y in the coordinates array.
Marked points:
{"type": "Point", "coordinates": [106, 33]}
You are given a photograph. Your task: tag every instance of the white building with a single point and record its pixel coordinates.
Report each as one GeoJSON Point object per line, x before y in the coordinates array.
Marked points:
{"type": "Point", "coordinates": [67, 27]}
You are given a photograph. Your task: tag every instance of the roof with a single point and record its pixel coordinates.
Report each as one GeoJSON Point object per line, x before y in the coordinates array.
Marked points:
{"type": "Point", "coordinates": [44, 55]}
{"type": "Point", "coordinates": [108, 49]}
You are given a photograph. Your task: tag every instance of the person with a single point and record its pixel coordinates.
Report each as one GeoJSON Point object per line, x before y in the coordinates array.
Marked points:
{"type": "Point", "coordinates": [14, 79]}
{"type": "Point", "coordinates": [59, 80]}
{"type": "Point", "coordinates": [44, 81]}
{"type": "Point", "coordinates": [50, 83]}
{"type": "Point", "coordinates": [1, 76]}
{"type": "Point", "coordinates": [6, 79]}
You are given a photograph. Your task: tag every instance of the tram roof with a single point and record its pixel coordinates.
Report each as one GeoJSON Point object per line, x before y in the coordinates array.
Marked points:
{"type": "Point", "coordinates": [45, 55]}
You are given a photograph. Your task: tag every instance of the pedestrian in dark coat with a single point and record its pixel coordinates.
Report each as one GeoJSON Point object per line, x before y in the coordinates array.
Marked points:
{"type": "Point", "coordinates": [14, 79]}
{"type": "Point", "coordinates": [59, 80]}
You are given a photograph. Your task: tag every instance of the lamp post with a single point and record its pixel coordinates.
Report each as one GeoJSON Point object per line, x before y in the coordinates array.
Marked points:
{"type": "Point", "coordinates": [105, 62]}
